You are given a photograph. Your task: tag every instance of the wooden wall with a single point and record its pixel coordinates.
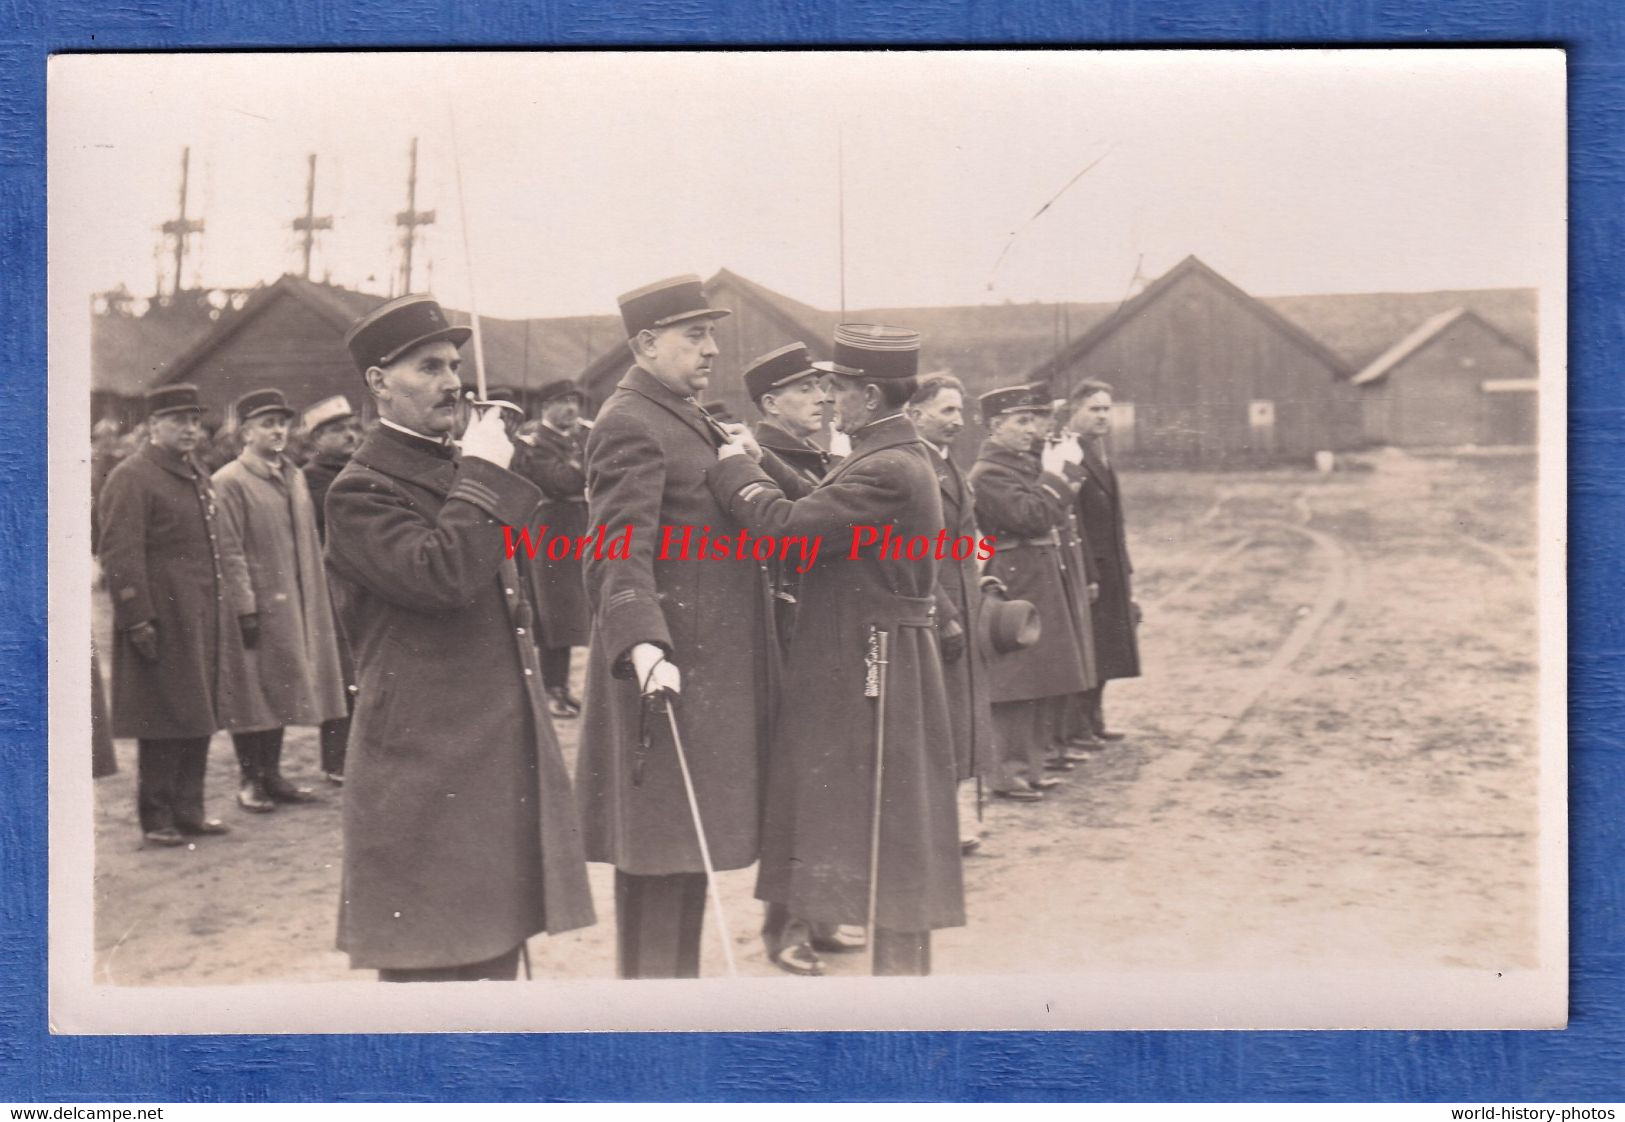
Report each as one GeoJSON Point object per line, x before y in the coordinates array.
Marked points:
{"type": "Point", "coordinates": [1436, 397]}
{"type": "Point", "coordinates": [1198, 361]}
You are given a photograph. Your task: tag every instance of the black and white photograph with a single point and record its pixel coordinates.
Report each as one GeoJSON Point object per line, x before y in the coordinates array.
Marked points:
{"type": "Point", "coordinates": [807, 540]}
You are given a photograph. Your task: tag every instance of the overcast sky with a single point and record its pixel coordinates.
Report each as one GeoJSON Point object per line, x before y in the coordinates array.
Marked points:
{"type": "Point", "coordinates": [589, 174]}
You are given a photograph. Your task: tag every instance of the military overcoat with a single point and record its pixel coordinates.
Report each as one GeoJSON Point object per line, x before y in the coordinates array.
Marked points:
{"type": "Point", "coordinates": [460, 832]}
{"type": "Point", "coordinates": [161, 552]}
{"type": "Point", "coordinates": [273, 567]}
{"type": "Point", "coordinates": [816, 822]}
{"type": "Point", "coordinates": [557, 464]}
{"type": "Point", "coordinates": [647, 459]}
{"type": "Point", "coordinates": [1100, 512]}
{"type": "Point", "coordinates": [1021, 507]}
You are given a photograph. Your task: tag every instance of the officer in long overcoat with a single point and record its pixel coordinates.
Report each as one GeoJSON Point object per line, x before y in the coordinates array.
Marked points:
{"type": "Point", "coordinates": [557, 463]}
{"type": "Point", "coordinates": [789, 391]}
{"type": "Point", "coordinates": [291, 674]}
{"type": "Point", "coordinates": [460, 833]}
{"type": "Point", "coordinates": [161, 552]}
{"type": "Point", "coordinates": [679, 622]}
{"type": "Point", "coordinates": [816, 842]}
{"type": "Point", "coordinates": [1100, 512]}
{"type": "Point", "coordinates": [1021, 502]}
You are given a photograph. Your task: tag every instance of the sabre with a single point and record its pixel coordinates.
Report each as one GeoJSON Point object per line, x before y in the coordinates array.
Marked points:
{"type": "Point", "coordinates": [705, 849]}
{"type": "Point", "coordinates": [875, 687]}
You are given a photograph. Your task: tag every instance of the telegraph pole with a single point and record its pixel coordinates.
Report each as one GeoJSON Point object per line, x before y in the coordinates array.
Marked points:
{"type": "Point", "coordinates": [308, 223]}
{"type": "Point", "coordinates": [181, 227]}
{"type": "Point", "coordinates": [411, 218]}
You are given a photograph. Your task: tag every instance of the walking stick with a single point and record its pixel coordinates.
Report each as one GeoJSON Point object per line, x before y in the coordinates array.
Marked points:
{"type": "Point", "coordinates": [705, 849]}
{"type": "Point", "coordinates": [875, 687]}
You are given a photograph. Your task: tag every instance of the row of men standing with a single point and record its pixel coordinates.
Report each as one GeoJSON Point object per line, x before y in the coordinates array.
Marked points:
{"type": "Point", "coordinates": [461, 835]}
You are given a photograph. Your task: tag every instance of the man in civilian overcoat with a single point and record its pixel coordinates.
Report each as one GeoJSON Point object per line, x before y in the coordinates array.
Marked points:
{"type": "Point", "coordinates": [277, 585]}
{"type": "Point", "coordinates": [460, 833]}
{"type": "Point", "coordinates": [557, 463]}
{"type": "Point", "coordinates": [816, 831]}
{"type": "Point", "coordinates": [162, 555]}
{"type": "Point", "coordinates": [938, 412]}
{"type": "Point", "coordinates": [1100, 512]}
{"type": "Point", "coordinates": [699, 629]}
{"type": "Point", "coordinates": [1022, 500]}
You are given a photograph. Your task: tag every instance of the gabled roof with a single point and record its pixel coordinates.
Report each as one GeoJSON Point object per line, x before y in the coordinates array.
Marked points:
{"type": "Point", "coordinates": [517, 352]}
{"type": "Point", "coordinates": [1153, 292]}
{"type": "Point", "coordinates": [1425, 333]}
{"type": "Point", "coordinates": [129, 352]}
{"type": "Point", "coordinates": [1360, 326]}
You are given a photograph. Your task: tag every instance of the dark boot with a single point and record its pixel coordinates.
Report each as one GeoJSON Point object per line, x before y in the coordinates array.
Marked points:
{"type": "Point", "coordinates": [251, 794]}
{"type": "Point", "coordinates": [276, 787]}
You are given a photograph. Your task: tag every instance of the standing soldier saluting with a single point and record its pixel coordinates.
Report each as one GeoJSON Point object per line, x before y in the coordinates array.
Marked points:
{"type": "Point", "coordinates": [161, 552]}
{"type": "Point", "coordinates": [460, 835]}
{"type": "Point", "coordinates": [836, 758]}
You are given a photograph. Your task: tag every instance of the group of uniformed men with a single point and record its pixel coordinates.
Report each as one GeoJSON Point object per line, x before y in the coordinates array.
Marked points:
{"type": "Point", "coordinates": [819, 724]}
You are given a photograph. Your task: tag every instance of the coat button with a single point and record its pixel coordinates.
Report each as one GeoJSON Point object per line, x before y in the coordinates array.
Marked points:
{"type": "Point", "coordinates": [509, 591]}
{"type": "Point", "coordinates": [520, 630]}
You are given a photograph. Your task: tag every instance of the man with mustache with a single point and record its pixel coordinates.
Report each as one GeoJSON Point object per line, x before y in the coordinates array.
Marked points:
{"type": "Point", "coordinates": [696, 631]}
{"type": "Point", "coordinates": [278, 588]}
{"type": "Point", "coordinates": [460, 833]}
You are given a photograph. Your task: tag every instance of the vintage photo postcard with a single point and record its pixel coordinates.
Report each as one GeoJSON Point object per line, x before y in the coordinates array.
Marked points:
{"type": "Point", "coordinates": [807, 540]}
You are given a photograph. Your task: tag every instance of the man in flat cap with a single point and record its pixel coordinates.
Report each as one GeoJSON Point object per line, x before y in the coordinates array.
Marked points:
{"type": "Point", "coordinates": [162, 555]}
{"type": "Point", "coordinates": [557, 463]}
{"type": "Point", "coordinates": [831, 745]}
{"type": "Point", "coordinates": [334, 431]}
{"type": "Point", "coordinates": [694, 630]}
{"type": "Point", "coordinates": [460, 833]}
{"type": "Point", "coordinates": [277, 586]}
{"type": "Point", "coordinates": [1021, 500]}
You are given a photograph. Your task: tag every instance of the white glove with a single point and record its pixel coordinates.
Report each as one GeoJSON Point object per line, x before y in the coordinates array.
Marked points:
{"type": "Point", "coordinates": [840, 444]}
{"type": "Point", "coordinates": [654, 671]}
{"type": "Point", "coordinates": [487, 438]}
{"type": "Point", "coordinates": [1052, 458]}
{"type": "Point", "coordinates": [1071, 449]}
{"type": "Point", "coordinates": [730, 449]}
{"type": "Point", "coordinates": [740, 435]}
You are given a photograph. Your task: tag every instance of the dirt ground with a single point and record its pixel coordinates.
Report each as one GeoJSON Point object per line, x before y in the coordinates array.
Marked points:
{"type": "Point", "coordinates": [1331, 761]}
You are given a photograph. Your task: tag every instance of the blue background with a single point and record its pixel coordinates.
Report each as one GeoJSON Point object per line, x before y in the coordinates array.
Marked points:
{"type": "Point", "coordinates": [1584, 1062]}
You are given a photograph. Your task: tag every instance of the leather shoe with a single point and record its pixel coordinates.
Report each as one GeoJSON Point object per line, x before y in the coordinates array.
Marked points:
{"type": "Point", "coordinates": [209, 827]}
{"type": "Point", "coordinates": [1059, 763]}
{"type": "Point", "coordinates": [336, 778]}
{"type": "Point", "coordinates": [801, 959]}
{"type": "Point", "coordinates": [1019, 795]}
{"type": "Point", "coordinates": [281, 791]}
{"type": "Point", "coordinates": [1103, 734]}
{"type": "Point", "coordinates": [252, 797]}
{"type": "Point", "coordinates": [968, 846]}
{"type": "Point", "coordinates": [1049, 783]}
{"type": "Point", "coordinates": [833, 942]}
{"type": "Point", "coordinates": [1071, 751]}
{"type": "Point", "coordinates": [168, 837]}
